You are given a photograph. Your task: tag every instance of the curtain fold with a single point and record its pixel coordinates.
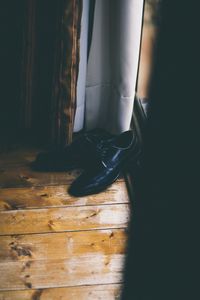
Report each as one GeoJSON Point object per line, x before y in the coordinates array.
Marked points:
{"type": "Point", "coordinates": [81, 82]}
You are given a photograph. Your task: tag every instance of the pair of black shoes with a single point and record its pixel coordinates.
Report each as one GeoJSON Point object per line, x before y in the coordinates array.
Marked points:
{"type": "Point", "coordinates": [102, 157]}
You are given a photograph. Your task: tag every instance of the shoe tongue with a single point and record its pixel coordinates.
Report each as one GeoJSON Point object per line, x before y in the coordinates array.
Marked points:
{"type": "Point", "coordinates": [88, 145]}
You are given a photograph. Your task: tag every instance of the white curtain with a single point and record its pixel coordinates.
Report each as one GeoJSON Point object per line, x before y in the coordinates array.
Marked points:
{"type": "Point", "coordinates": [81, 83]}
{"type": "Point", "coordinates": [109, 77]}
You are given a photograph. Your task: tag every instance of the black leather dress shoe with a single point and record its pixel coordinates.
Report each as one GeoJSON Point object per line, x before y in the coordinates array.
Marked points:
{"type": "Point", "coordinates": [111, 158]}
{"type": "Point", "coordinates": [75, 155]}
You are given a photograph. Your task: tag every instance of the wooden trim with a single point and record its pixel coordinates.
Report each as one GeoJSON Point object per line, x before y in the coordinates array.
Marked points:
{"type": "Point", "coordinates": [28, 63]}
{"type": "Point", "coordinates": [66, 70]}
{"type": "Point", "coordinates": [138, 124]}
{"type": "Point", "coordinates": [139, 120]}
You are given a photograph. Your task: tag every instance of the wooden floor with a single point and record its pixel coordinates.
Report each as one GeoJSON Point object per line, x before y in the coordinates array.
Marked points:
{"type": "Point", "coordinates": [53, 246]}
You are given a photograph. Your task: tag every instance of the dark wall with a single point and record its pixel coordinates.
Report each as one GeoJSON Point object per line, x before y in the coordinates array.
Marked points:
{"type": "Point", "coordinates": [163, 256]}
{"type": "Point", "coordinates": [45, 29]}
{"type": "Point", "coordinates": [19, 70]}
{"type": "Point", "coordinates": [11, 15]}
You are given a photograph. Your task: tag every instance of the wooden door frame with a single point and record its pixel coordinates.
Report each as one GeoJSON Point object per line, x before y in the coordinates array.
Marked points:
{"type": "Point", "coordinates": [65, 69]}
{"type": "Point", "coordinates": [66, 65]}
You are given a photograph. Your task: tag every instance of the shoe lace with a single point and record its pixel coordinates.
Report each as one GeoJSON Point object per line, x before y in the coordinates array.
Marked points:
{"type": "Point", "coordinates": [102, 148]}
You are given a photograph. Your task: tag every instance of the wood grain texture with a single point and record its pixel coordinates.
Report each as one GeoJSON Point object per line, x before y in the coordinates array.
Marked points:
{"type": "Point", "coordinates": [17, 155]}
{"type": "Point", "coordinates": [66, 62]}
{"type": "Point", "coordinates": [65, 245]}
{"type": "Point", "coordinates": [64, 219]}
{"type": "Point", "coordinates": [16, 172]}
{"type": "Point", "coordinates": [57, 196]}
{"type": "Point", "coordinates": [67, 259]}
{"type": "Point", "coordinates": [94, 292]}
{"type": "Point", "coordinates": [86, 270]}
{"type": "Point", "coordinates": [23, 176]}
{"type": "Point", "coordinates": [28, 63]}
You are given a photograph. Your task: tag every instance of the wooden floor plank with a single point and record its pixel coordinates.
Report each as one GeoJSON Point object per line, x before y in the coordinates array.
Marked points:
{"type": "Point", "coordinates": [23, 176]}
{"type": "Point", "coordinates": [94, 292]}
{"type": "Point", "coordinates": [64, 219]}
{"type": "Point", "coordinates": [19, 155]}
{"type": "Point", "coordinates": [15, 171]}
{"type": "Point", "coordinates": [61, 245]}
{"type": "Point", "coordinates": [62, 259]}
{"type": "Point", "coordinates": [85, 270]}
{"type": "Point", "coordinates": [57, 196]}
